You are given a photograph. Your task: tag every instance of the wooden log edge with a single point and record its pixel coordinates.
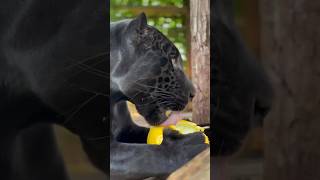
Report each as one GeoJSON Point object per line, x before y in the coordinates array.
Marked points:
{"type": "Point", "coordinates": [198, 168]}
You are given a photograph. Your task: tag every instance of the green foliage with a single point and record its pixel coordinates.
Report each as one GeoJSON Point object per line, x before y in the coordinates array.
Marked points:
{"type": "Point", "coordinates": [173, 27]}
{"type": "Point", "coordinates": [178, 3]}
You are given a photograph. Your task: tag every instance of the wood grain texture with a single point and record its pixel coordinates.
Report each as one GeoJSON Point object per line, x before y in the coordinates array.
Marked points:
{"type": "Point", "coordinates": [200, 59]}
{"type": "Point", "coordinates": [291, 52]}
{"type": "Point", "coordinates": [196, 169]}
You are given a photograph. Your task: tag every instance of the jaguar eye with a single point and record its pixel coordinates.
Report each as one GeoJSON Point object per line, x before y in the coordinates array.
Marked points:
{"type": "Point", "coordinates": [163, 61]}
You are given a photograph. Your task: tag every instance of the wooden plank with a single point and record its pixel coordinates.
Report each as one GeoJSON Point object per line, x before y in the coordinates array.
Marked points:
{"type": "Point", "coordinates": [154, 11]}
{"type": "Point", "coordinates": [198, 168]}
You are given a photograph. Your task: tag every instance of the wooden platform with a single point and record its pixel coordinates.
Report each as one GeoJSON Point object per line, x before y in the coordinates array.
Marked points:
{"type": "Point", "coordinates": [196, 169]}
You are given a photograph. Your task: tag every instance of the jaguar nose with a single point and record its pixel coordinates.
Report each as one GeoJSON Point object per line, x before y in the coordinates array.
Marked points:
{"type": "Point", "coordinates": [192, 92]}
{"type": "Point", "coordinates": [261, 109]}
{"type": "Point", "coordinates": [191, 95]}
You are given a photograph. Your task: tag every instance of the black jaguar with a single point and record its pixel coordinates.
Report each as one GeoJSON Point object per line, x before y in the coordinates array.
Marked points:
{"type": "Point", "coordinates": [146, 69]}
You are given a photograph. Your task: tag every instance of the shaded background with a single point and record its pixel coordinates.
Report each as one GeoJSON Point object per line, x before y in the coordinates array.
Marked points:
{"type": "Point", "coordinates": [248, 162]}
{"type": "Point", "coordinates": [77, 162]}
{"type": "Point", "coordinates": [284, 36]}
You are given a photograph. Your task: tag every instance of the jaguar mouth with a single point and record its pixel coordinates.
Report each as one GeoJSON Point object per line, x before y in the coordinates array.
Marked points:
{"type": "Point", "coordinates": [161, 116]}
{"type": "Point", "coordinates": [165, 118]}
{"type": "Point", "coordinates": [172, 117]}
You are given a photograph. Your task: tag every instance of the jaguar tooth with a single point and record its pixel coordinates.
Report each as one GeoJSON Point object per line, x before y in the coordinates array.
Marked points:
{"type": "Point", "coordinates": [168, 113]}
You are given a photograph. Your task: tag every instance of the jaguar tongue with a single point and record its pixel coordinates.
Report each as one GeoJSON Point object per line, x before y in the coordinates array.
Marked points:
{"type": "Point", "coordinates": [173, 118]}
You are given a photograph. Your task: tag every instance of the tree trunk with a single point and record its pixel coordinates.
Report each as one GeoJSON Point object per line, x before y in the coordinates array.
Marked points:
{"type": "Point", "coordinates": [290, 50]}
{"type": "Point", "coordinates": [200, 59]}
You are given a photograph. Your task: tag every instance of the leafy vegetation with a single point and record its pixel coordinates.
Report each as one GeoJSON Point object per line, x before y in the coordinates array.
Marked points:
{"type": "Point", "coordinates": [173, 26]}
{"type": "Point", "coordinates": [178, 3]}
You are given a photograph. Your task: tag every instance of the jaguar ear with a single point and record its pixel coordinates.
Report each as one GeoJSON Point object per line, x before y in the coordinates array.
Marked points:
{"type": "Point", "coordinates": [139, 23]}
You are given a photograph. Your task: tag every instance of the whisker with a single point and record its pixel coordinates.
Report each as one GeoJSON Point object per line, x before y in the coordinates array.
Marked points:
{"type": "Point", "coordinates": [159, 89]}
{"type": "Point", "coordinates": [87, 59]}
{"type": "Point", "coordinates": [145, 85]}
{"type": "Point", "coordinates": [80, 106]}
{"type": "Point", "coordinates": [162, 93]}
{"type": "Point", "coordinates": [93, 69]}
{"type": "Point", "coordinates": [94, 92]}
{"type": "Point", "coordinates": [92, 72]}
{"type": "Point", "coordinates": [96, 138]}
{"type": "Point", "coordinates": [139, 92]}
{"type": "Point", "coordinates": [80, 71]}
{"type": "Point", "coordinates": [147, 104]}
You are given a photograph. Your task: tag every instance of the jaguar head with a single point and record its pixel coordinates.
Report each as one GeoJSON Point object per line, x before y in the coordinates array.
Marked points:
{"type": "Point", "coordinates": [152, 74]}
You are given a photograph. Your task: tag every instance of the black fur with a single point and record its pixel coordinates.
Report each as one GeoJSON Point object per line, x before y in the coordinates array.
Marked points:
{"type": "Point", "coordinates": [52, 70]}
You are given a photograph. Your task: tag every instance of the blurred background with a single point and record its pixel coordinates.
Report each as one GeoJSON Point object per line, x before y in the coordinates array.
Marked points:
{"type": "Point", "coordinates": [76, 161]}
{"type": "Point", "coordinates": [284, 36]}
{"type": "Point", "coordinates": [248, 163]}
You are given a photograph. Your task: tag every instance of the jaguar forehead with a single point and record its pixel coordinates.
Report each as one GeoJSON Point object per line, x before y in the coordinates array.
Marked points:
{"type": "Point", "coordinates": [152, 38]}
